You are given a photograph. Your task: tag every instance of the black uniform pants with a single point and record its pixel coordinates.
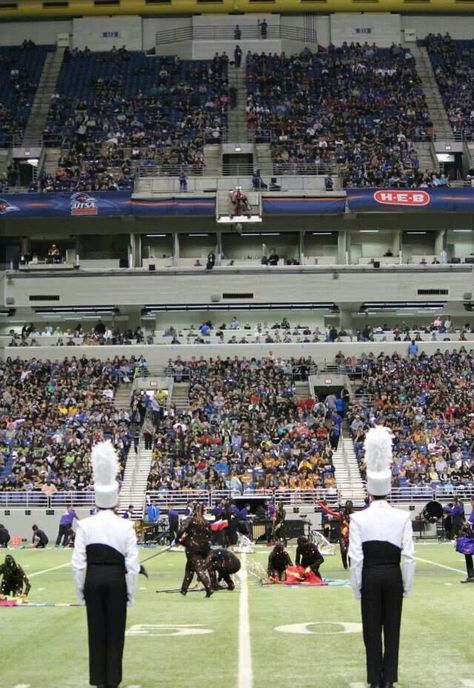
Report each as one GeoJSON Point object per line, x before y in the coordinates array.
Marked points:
{"type": "Point", "coordinates": [196, 564]}
{"type": "Point", "coordinates": [382, 597]}
{"type": "Point", "coordinates": [469, 565]}
{"type": "Point", "coordinates": [105, 591]}
{"type": "Point", "coordinates": [63, 535]}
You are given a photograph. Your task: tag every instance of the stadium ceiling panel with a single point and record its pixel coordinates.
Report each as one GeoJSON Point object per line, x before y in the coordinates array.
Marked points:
{"type": "Point", "coordinates": [45, 9]}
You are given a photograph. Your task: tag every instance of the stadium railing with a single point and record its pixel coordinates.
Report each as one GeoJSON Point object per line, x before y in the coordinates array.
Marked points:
{"type": "Point", "coordinates": [179, 498]}
{"type": "Point", "coordinates": [226, 33]}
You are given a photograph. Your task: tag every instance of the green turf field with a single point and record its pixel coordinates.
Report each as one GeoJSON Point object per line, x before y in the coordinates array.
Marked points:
{"type": "Point", "coordinates": [192, 642]}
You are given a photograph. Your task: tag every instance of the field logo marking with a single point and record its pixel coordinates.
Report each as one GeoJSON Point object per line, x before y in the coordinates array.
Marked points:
{"type": "Point", "coordinates": [245, 674]}
{"type": "Point", "coordinates": [340, 627]}
{"type": "Point", "coordinates": [168, 629]}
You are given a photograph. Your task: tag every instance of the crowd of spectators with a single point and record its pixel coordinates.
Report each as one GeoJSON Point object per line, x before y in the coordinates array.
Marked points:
{"type": "Point", "coordinates": [428, 403]}
{"type": "Point", "coordinates": [20, 72]}
{"type": "Point", "coordinates": [100, 334]}
{"type": "Point", "coordinates": [356, 105]}
{"type": "Point", "coordinates": [243, 429]}
{"type": "Point", "coordinates": [52, 413]}
{"type": "Point", "coordinates": [117, 109]}
{"type": "Point", "coordinates": [453, 65]}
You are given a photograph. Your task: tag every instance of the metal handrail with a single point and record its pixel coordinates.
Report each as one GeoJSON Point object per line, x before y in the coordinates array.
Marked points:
{"type": "Point", "coordinates": [296, 497]}
{"type": "Point", "coordinates": [227, 33]}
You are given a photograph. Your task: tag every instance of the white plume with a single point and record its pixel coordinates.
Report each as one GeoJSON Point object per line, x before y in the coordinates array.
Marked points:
{"type": "Point", "coordinates": [104, 463]}
{"type": "Point", "coordinates": [378, 449]}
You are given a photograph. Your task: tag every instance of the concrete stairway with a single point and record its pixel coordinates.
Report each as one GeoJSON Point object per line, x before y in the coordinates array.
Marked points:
{"type": "Point", "coordinates": [41, 104]}
{"type": "Point", "coordinates": [135, 479]}
{"type": "Point", "coordinates": [441, 125]}
{"type": "Point", "coordinates": [213, 160]}
{"type": "Point", "coordinates": [237, 123]}
{"type": "Point", "coordinates": [264, 160]}
{"type": "Point", "coordinates": [122, 397]}
{"type": "Point", "coordinates": [426, 156]}
{"type": "Point", "coordinates": [302, 390]}
{"type": "Point", "coordinates": [51, 158]}
{"type": "Point", "coordinates": [180, 395]}
{"type": "Point", "coordinates": [348, 480]}
{"type": "Point", "coordinates": [4, 159]}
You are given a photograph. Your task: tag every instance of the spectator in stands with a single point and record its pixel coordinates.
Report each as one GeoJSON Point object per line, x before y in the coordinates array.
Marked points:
{"type": "Point", "coordinates": [263, 28]}
{"type": "Point", "coordinates": [237, 33]}
{"type": "Point", "coordinates": [243, 429]}
{"type": "Point", "coordinates": [257, 182]}
{"type": "Point", "coordinates": [237, 56]}
{"type": "Point", "coordinates": [183, 182]}
{"type": "Point", "coordinates": [300, 113]}
{"type": "Point", "coordinates": [427, 402]}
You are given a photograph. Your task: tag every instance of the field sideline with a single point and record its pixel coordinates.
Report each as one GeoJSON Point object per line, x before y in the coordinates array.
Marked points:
{"type": "Point", "coordinates": [253, 637]}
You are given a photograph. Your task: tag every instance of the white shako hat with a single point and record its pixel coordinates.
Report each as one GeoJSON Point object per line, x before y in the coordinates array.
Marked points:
{"type": "Point", "coordinates": [105, 468]}
{"type": "Point", "coordinates": [378, 458]}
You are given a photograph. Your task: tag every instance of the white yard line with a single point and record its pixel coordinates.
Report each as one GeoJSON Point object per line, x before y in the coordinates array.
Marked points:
{"type": "Point", "coordinates": [441, 566]}
{"type": "Point", "coordinates": [55, 568]}
{"type": "Point", "coordinates": [245, 676]}
{"type": "Point", "coordinates": [467, 682]}
{"type": "Point", "coordinates": [357, 685]}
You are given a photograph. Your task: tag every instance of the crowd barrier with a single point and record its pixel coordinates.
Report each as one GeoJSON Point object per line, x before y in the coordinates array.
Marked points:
{"type": "Point", "coordinates": [291, 498]}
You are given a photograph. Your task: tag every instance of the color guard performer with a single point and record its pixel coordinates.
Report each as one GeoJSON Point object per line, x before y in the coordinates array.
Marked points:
{"type": "Point", "coordinates": [278, 562]}
{"type": "Point", "coordinates": [343, 516]}
{"type": "Point", "coordinates": [14, 580]}
{"type": "Point", "coordinates": [379, 536]}
{"type": "Point", "coordinates": [195, 534]}
{"type": "Point", "coordinates": [308, 555]}
{"type": "Point", "coordinates": [105, 565]}
{"type": "Point", "coordinates": [465, 545]}
{"type": "Point", "coordinates": [222, 564]}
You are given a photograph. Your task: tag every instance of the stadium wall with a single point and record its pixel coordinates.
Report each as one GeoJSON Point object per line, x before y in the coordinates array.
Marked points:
{"type": "Point", "coordinates": [268, 285]}
{"type": "Point", "coordinates": [158, 356]}
{"type": "Point", "coordinates": [45, 32]}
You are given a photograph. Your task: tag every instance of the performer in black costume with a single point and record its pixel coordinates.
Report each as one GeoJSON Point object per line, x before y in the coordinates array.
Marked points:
{"type": "Point", "coordinates": [105, 565]}
{"type": "Point", "coordinates": [195, 534]}
{"type": "Point", "coordinates": [15, 581]}
{"type": "Point", "coordinates": [308, 555]}
{"type": "Point", "coordinates": [278, 560]}
{"type": "Point", "coordinates": [4, 536]}
{"type": "Point", "coordinates": [221, 565]}
{"type": "Point", "coordinates": [39, 539]}
{"type": "Point", "coordinates": [279, 523]}
{"type": "Point", "coordinates": [379, 535]}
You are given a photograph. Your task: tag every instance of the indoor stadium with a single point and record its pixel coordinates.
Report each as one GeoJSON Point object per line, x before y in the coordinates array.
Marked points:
{"type": "Point", "coordinates": [236, 343]}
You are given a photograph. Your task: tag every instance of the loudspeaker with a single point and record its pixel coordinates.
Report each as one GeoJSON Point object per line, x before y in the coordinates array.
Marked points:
{"type": "Point", "coordinates": [376, 263]}
{"type": "Point", "coordinates": [123, 263]}
{"type": "Point", "coordinates": [467, 296]}
{"type": "Point", "coordinates": [152, 268]}
{"type": "Point", "coordinates": [215, 298]}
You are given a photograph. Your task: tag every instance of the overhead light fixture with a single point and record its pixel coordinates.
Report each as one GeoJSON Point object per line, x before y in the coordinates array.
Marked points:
{"type": "Point", "coordinates": [164, 308]}
{"type": "Point", "coordinates": [463, 230]}
{"type": "Point", "coordinates": [322, 233]}
{"type": "Point", "coordinates": [369, 231]}
{"type": "Point", "coordinates": [79, 310]}
{"type": "Point", "coordinates": [194, 235]}
{"type": "Point", "coordinates": [156, 235]}
{"type": "Point", "coordinates": [237, 149]}
{"type": "Point", "coordinates": [415, 232]}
